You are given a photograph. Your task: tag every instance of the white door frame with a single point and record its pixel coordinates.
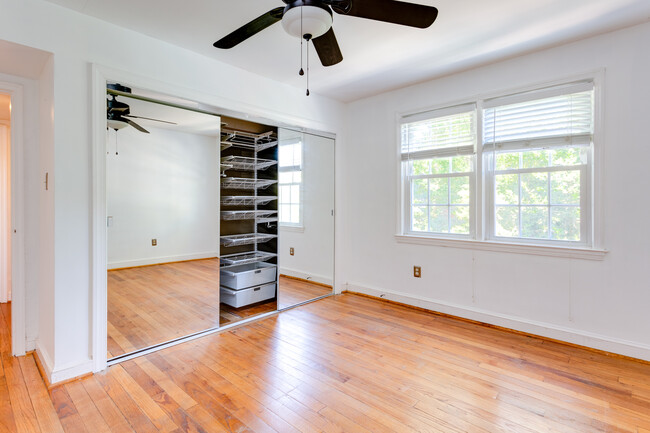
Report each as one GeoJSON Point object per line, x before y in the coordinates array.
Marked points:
{"type": "Point", "coordinates": [18, 307]}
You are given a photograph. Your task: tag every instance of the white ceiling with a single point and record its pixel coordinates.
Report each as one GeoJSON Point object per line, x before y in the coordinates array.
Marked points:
{"type": "Point", "coordinates": [184, 120]}
{"type": "Point", "coordinates": [377, 56]}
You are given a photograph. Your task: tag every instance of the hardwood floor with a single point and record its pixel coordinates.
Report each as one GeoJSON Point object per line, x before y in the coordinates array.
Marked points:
{"type": "Point", "coordinates": [154, 304]}
{"type": "Point", "coordinates": [342, 364]}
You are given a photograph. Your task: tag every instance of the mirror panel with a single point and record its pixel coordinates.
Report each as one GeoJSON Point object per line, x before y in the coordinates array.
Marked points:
{"type": "Point", "coordinates": [162, 227]}
{"type": "Point", "coordinates": [306, 213]}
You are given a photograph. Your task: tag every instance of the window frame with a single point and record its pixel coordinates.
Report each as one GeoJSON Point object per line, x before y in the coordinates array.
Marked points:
{"type": "Point", "coordinates": [292, 168]}
{"type": "Point", "coordinates": [445, 152]}
{"type": "Point", "coordinates": [482, 226]}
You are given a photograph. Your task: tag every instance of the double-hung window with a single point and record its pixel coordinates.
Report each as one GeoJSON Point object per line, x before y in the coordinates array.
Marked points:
{"type": "Point", "coordinates": [290, 183]}
{"type": "Point", "coordinates": [537, 153]}
{"type": "Point", "coordinates": [529, 168]}
{"type": "Point", "coordinates": [438, 159]}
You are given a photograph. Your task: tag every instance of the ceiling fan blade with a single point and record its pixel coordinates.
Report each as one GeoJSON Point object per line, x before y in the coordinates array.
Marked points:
{"type": "Point", "coordinates": [390, 11]}
{"type": "Point", "coordinates": [328, 48]}
{"type": "Point", "coordinates": [135, 125]}
{"type": "Point", "coordinates": [248, 30]}
{"type": "Point", "coordinates": [149, 118]}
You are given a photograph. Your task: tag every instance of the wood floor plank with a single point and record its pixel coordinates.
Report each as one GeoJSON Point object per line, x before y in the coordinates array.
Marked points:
{"type": "Point", "coordinates": [46, 415]}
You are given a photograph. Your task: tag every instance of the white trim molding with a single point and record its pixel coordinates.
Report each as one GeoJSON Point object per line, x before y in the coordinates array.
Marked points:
{"type": "Point", "coordinates": [306, 276]}
{"type": "Point", "coordinates": [548, 330]}
{"type": "Point", "coordinates": [504, 247]}
{"type": "Point", "coordinates": [161, 260]}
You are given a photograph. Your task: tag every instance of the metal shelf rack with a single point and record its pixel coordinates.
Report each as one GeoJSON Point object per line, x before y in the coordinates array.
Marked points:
{"type": "Point", "coordinates": [245, 258]}
{"type": "Point", "coordinates": [247, 214]}
{"type": "Point", "coordinates": [249, 140]}
{"type": "Point", "coordinates": [246, 163]}
{"type": "Point", "coordinates": [246, 200]}
{"type": "Point", "coordinates": [246, 183]}
{"type": "Point", "coordinates": [245, 239]}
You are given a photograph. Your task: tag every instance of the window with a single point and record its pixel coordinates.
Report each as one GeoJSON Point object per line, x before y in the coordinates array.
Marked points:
{"type": "Point", "coordinates": [534, 168]}
{"type": "Point", "coordinates": [438, 168]}
{"type": "Point", "coordinates": [290, 183]}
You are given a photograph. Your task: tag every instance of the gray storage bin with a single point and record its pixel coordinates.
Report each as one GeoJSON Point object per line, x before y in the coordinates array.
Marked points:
{"type": "Point", "coordinates": [248, 275]}
{"type": "Point", "coordinates": [243, 297]}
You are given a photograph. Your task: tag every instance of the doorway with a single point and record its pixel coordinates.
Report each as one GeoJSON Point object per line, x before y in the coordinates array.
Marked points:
{"type": "Point", "coordinates": [5, 224]}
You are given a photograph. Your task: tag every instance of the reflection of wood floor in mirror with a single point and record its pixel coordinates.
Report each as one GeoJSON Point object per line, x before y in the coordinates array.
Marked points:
{"type": "Point", "coordinates": [294, 291]}
{"type": "Point", "coordinates": [153, 304]}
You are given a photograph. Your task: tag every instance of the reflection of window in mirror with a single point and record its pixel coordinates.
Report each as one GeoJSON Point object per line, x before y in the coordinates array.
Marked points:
{"type": "Point", "coordinates": [290, 183]}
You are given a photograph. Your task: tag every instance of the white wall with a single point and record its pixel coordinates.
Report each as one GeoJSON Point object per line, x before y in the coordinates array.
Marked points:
{"type": "Point", "coordinates": [164, 186]}
{"type": "Point", "coordinates": [314, 243]}
{"type": "Point", "coordinates": [597, 303]}
{"type": "Point", "coordinates": [77, 41]}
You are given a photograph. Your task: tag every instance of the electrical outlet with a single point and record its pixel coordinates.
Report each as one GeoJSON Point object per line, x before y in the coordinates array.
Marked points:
{"type": "Point", "coordinates": [154, 242]}
{"type": "Point", "coordinates": [291, 251]}
{"type": "Point", "coordinates": [417, 271]}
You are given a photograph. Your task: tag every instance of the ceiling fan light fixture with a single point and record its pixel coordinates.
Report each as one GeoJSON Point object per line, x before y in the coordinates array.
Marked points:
{"type": "Point", "coordinates": [316, 21]}
{"type": "Point", "coordinates": [116, 124]}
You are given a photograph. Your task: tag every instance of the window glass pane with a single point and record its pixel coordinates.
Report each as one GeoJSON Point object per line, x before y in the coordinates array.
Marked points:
{"type": "Point", "coordinates": [507, 188]}
{"type": "Point", "coordinates": [569, 156]}
{"type": "Point", "coordinates": [459, 219]}
{"type": "Point", "coordinates": [506, 161]}
{"type": "Point", "coordinates": [419, 194]}
{"type": "Point", "coordinates": [507, 221]}
{"type": "Point", "coordinates": [419, 218]}
{"type": "Point", "coordinates": [534, 188]}
{"type": "Point", "coordinates": [565, 222]}
{"type": "Point", "coordinates": [285, 194]}
{"type": "Point", "coordinates": [286, 176]}
{"type": "Point", "coordinates": [295, 213]}
{"type": "Point", "coordinates": [440, 166]}
{"type": "Point", "coordinates": [297, 176]}
{"type": "Point", "coordinates": [285, 156]}
{"type": "Point", "coordinates": [534, 222]}
{"type": "Point", "coordinates": [461, 164]}
{"type": "Point", "coordinates": [421, 166]}
{"type": "Point", "coordinates": [565, 187]}
{"type": "Point", "coordinates": [459, 190]}
{"type": "Point", "coordinates": [438, 190]}
{"type": "Point", "coordinates": [534, 159]}
{"type": "Point", "coordinates": [439, 219]}
{"type": "Point", "coordinates": [295, 194]}
{"type": "Point", "coordinates": [285, 212]}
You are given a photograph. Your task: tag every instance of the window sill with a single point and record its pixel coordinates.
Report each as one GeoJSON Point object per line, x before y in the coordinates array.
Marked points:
{"type": "Point", "coordinates": [295, 229]}
{"type": "Point", "coordinates": [504, 247]}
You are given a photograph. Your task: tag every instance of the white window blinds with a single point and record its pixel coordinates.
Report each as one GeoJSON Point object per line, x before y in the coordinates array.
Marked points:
{"type": "Point", "coordinates": [439, 133]}
{"type": "Point", "coordinates": [559, 116]}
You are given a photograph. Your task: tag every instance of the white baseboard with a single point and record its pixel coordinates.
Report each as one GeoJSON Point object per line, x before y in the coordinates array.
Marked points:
{"type": "Point", "coordinates": [306, 276]}
{"type": "Point", "coordinates": [548, 330]}
{"type": "Point", "coordinates": [46, 361]}
{"type": "Point", "coordinates": [61, 374]}
{"type": "Point", "coordinates": [160, 260]}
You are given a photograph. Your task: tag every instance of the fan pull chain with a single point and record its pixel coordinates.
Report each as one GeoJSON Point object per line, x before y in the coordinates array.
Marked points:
{"type": "Point", "coordinates": [301, 72]}
{"type": "Point", "coordinates": [307, 37]}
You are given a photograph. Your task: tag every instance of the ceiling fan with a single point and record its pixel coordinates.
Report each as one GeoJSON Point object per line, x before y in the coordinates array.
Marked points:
{"type": "Point", "coordinates": [312, 20]}
{"type": "Point", "coordinates": [118, 113]}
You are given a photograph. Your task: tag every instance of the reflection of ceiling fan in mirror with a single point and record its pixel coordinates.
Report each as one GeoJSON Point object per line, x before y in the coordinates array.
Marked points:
{"type": "Point", "coordinates": [118, 113]}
